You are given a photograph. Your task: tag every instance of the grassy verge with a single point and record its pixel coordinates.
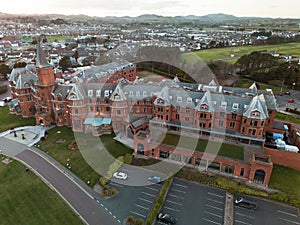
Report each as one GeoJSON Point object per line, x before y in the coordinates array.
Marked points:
{"type": "Point", "coordinates": [26, 200]}
{"type": "Point", "coordinates": [9, 121]}
{"type": "Point", "coordinates": [287, 118]}
{"type": "Point", "coordinates": [220, 149]}
{"type": "Point", "coordinates": [61, 152]}
{"type": "Point", "coordinates": [159, 201]}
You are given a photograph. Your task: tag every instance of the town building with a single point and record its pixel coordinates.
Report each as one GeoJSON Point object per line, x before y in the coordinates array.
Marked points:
{"type": "Point", "coordinates": [109, 98]}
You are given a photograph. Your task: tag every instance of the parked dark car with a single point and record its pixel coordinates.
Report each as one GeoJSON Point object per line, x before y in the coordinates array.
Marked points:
{"type": "Point", "coordinates": [245, 203]}
{"type": "Point", "coordinates": [287, 93]}
{"type": "Point", "coordinates": [166, 218]}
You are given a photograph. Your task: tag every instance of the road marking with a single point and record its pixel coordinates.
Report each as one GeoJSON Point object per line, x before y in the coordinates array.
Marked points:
{"type": "Point", "coordinates": [290, 214]}
{"type": "Point", "coordinates": [213, 214]}
{"type": "Point", "coordinates": [142, 207]}
{"type": "Point", "coordinates": [119, 221]}
{"type": "Point", "coordinates": [176, 196]}
{"type": "Point", "coordinates": [244, 215]}
{"type": "Point", "coordinates": [138, 214]}
{"type": "Point", "coordinates": [114, 217]}
{"type": "Point", "coordinates": [153, 189]}
{"type": "Point", "coordinates": [178, 190]}
{"type": "Point", "coordinates": [220, 196]}
{"type": "Point", "coordinates": [209, 199]}
{"type": "Point", "coordinates": [213, 207]}
{"type": "Point", "coordinates": [180, 185]}
{"type": "Point", "coordinates": [289, 221]}
{"type": "Point", "coordinates": [207, 220]}
{"type": "Point", "coordinates": [145, 193]}
{"type": "Point", "coordinates": [110, 212]}
{"type": "Point", "coordinates": [146, 200]}
{"type": "Point", "coordinates": [171, 209]}
{"type": "Point", "coordinates": [173, 202]}
{"type": "Point", "coordinates": [118, 185]}
{"type": "Point", "coordinates": [242, 222]}
{"type": "Point", "coordinates": [106, 209]}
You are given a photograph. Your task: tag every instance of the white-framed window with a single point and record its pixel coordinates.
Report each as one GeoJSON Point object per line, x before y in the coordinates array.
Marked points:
{"type": "Point", "coordinates": [223, 104]}
{"type": "Point", "coordinates": [117, 97]}
{"type": "Point", "coordinates": [235, 105]}
{"type": "Point", "coordinates": [106, 93]}
{"type": "Point", "coordinates": [189, 100]}
{"type": "Point", "coordinates": [131, 93]}
{"type": "Point", "coordinates": [138, 94]}
{"type": "Point", "coordinates": [144, 93]}
{"type": "Point", "coordinates": [179, 99]}
{"type": "Point", "coordinates": [98, 93]}
{"type": "Point", "coordinates": [90, 93]}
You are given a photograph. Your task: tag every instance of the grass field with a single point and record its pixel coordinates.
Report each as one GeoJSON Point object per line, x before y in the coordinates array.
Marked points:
{"type": "Point", "coordinates": [285, 179]}
{"type": "Point", "coordinates": [221, 53]}
{"type": "Point", "coordinates": [80, 167]}
{"type": "Point", "coordinates": [26, 200]}
{"type": "Point", "coordinates": [227, 150]}
{"type": "Point", "coordinates": [9, 121]}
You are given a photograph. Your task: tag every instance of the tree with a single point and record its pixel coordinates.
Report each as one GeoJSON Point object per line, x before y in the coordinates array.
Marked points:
{"type": "Point", "coordinates": [138, 222]}
{"type": "Point", "coordinates": [5, 69]}
{"type": "Point", "coordinates": [20, 64]}
{"type": "Point", "coordinates": [130, 220]}
{"type": "Point", "coordinates": [65, 63]}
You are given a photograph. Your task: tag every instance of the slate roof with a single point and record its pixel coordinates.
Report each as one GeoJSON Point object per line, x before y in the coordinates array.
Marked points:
{"type": "Point", "coordinates": [41, 60]}
{"type": "Point", "coordinates": [26, 80]}
{"type": "Point", "coordinates": [62, 90]}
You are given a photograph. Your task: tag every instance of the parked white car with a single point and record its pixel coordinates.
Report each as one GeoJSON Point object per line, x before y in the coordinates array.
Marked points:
{"type": "Point", "coordinates": [120, 175]}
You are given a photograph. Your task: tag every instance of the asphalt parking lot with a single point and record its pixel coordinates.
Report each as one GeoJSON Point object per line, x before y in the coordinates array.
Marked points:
{"type": "Point", "coordinates": [136, 201]}
{"type": "Point", "coordinates": [266, 213]}
{"type": "Point", "coordinates": [192, 203]}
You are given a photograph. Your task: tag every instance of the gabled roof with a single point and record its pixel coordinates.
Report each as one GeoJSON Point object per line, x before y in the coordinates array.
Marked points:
{"type": "Point", "coordinates": [253, 88]}
{"type": "Point", "coordinates": [207, 100]}
{"type": "Point", "coordinates": [257, 103]}
{"type": "Point", "coordinates": [41, 60]}
{"type": "Point", "coordinates": [78, 91]}
{"type": "Point", "coordinates": [118, 91]}
{"type": "Point", "coordinates": [165, 96]}
{"type": "Point", "coordinates": [26, 81]}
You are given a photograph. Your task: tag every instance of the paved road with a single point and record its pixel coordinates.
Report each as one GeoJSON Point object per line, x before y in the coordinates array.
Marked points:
{"type": "Point", "coordinates": [92, 211]}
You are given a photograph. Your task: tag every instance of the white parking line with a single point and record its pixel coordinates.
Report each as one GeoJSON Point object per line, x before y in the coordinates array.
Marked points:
{"type": "Point", "coordinates": [220, 196]}
{"type": "Point", "coordinates": [247, 216]}
{"type": "Point", "coordinates": [176, 196]}
{"type": "Point", "coordinates": [115, 184]}
{"type": "Point", "coordinates": [138, 214]}
{"type": "Point", "coordinates": [173, 202]}
{"type": "Point", "coordinates": [178, 190]}
{"type": "Point", "coordinates": [146, 200]}
{"type": "Point", "coordinates": [145, 193]}
{"type": "Point", "coordinates": [289, 221]}
{"type": "Point", "coordinates": [207, 220]}
{"type": "Point", "coordinates": [209, 199]}
{"type": "Point", "coordinates": [214, 207]}
{"type": "Point", "coordinates": [153, 189]}
{"type": "Point", "coordinates": [176, 210]}
{"type": "Point", "coordinates": [142, 207]}
{"type": "Point", "coordinates": [213, 214]}
{"type": "Point", "coordinates": [180, 185]}
{"type": "Point", "coordinates": [242, 222]}
{"type": "Point", "coordinates": [290, 214]}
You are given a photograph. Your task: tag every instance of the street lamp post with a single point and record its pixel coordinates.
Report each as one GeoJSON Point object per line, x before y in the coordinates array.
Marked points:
{"type": "Point", "coordinates": [293, 86]}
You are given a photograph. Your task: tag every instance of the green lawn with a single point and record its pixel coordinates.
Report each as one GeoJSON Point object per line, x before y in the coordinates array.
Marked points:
{"type": "Point", "coordinates": [221, 53]}
{"type": "Point", "coordinates": [26, 200]}
{"type": "Point", "coordinates": [80, 167]}
{"type": "Point", "coordinates": [287, 118]}
{"type": "Point", "coordinates": [227, 150]}
{"type": "Point", "coordinates": [8, 121]}
{"type": "Point", "coordinates": [285, 179]}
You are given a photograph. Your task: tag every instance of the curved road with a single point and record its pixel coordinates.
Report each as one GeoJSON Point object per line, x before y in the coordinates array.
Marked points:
{"type": "Point", "coordinates": [90, 210]}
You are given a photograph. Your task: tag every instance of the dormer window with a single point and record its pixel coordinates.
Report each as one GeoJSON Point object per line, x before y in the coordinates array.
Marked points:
{"type": "Point", "coordinates": [138, 94]}
{"type": "Point", "coordinates": [131, 93]}
{"type": "Point", "coordinates": [106, 93]}
{"type": "Point", "coordinates": [144, 93]}
{"type": "Point", "coordinates": [117, 97]}
{"type": "Point", "coordinates": [179, 99]}
{"type": "Point", "coordinates": [255, 113]}
{"type": "Point", "coordinates": [204, 107]}
{"type": "Point", "coordinates": [235, 105]}
{"type": "Point", "coordinates": [90, 93]}
{"type": "Point", "coordinates": [223, 104]}
{"type": "Point", "coordinates": [160, 101]}
{"type": "Point", "coordinates": [189, 100]}
{"type": "Point", "coordinates": [98, 93]}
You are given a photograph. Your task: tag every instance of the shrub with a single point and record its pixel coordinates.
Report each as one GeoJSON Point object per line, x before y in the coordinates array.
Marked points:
{"type": "Point", "coordinates": [128, 158]}
{"type": "Point", "coordinates": [103, 181]}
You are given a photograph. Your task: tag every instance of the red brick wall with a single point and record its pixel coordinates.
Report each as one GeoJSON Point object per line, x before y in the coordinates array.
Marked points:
{"type": "Point", "coordinates": [284, 158]}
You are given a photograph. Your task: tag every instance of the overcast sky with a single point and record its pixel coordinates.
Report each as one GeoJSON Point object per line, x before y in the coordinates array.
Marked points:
{"type": "Point", "coordinates": [262, 8]}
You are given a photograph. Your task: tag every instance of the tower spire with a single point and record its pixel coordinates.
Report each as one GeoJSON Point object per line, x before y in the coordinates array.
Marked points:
{"type": "Point", "coordinates": [41, 60]}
